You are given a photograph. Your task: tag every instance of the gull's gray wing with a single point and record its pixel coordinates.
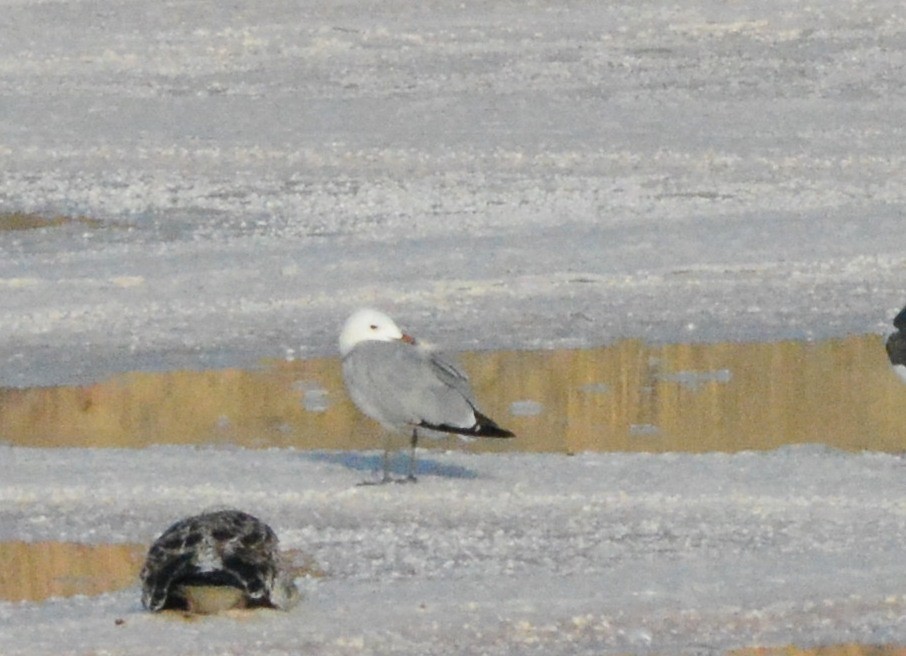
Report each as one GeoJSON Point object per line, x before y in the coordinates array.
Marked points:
{"type": "Point", "coordinates": [401, 385]}
{"type": "Point", "coordinates": [482, 425]}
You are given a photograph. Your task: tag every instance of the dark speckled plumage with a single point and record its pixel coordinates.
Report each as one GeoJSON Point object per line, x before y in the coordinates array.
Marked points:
{"type": "Point", "coordinates": [896, 345]}
{"type": "Point", "coordinates": [227, 548]}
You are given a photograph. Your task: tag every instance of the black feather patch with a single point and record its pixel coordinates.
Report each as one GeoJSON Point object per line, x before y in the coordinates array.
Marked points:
{"type": "Point", "coordinates": [899, 321]}
{"type": "Point", "coordinates": [896, 348]}
{"type": "Point", "coordinates": [221, 548]}
{"type": "Point", "coordinates": [484, 427]}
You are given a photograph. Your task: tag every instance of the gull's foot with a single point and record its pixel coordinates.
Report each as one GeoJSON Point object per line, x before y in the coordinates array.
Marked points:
{"type": "Point", "coordinates": [388, 479]}
{"type": "Point", "coordinates": [380, 481]}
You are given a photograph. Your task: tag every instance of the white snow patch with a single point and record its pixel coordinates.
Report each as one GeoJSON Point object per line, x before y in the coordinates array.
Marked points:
{"type": "Point", "coordinates": [593, 553]}
{"type": "Point", "coordinates": [563, 175]}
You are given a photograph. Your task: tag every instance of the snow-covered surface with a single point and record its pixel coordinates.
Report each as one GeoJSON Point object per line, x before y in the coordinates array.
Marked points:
{"type": "Point", "coordinates": [494, 174]}
{"type": "Point", "coordinates": [495, 554]}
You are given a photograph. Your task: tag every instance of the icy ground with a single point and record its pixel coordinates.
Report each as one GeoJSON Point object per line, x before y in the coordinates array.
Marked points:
{"type": "Point", "coordinates": [495, 174]}
{"type": "Point", "coordinates": [502, 554]}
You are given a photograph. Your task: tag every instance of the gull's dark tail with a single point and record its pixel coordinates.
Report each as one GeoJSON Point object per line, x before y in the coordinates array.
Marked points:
{"type": "Point", "coordinates": [484, 426]}
{"type": "Point", "coordinates": [487, 427]}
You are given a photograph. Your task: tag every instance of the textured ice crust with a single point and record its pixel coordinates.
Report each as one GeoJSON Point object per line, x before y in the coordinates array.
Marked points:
{"type": "Point", "coordinates": [594, 553]}
{"type": "Point", "coordinates": [495, 176]}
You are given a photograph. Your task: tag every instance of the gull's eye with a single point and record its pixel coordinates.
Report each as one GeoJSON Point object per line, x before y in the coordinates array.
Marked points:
{"type": "Point", "coordinates": [373, 326]}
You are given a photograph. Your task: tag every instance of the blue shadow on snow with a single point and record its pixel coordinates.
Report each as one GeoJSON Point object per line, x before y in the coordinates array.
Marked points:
{"type": "Point", "coordinates": [373, 462]}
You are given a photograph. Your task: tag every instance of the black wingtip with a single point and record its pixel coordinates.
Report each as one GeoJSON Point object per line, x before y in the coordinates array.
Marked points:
{"type": "Point", "coordinates": [484, 427]}
{"type": "Point", "coordinates": [496, 432]}
{"type": "Point", "coordinates": [487, 427]}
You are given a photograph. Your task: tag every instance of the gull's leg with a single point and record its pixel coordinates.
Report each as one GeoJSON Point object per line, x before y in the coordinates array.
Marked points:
{"type": "Point", "coordinates": [385, 461]}
{"type": "Point", "coordinates": [385, 465]}
{"type": "Point", "coordinates": [412, 462]}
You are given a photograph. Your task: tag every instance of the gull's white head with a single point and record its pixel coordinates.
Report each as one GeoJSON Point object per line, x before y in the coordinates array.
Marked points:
{"type": "Point", "coordinates": [369, 325]}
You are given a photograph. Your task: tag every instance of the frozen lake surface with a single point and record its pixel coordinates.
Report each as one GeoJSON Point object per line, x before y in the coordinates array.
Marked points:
{"type": "Point", "coordinates": [497, 554]}
{"type": "Point", "coordinates": [496, 175]}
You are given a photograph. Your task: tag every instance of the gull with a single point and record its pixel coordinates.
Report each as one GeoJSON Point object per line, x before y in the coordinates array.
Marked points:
{"type": "Point", "coordinates": [214, 562]}
{"type": "Point", "coordinates": [896, 345]}
{"type": "Point", "coordinates": [406, 386]}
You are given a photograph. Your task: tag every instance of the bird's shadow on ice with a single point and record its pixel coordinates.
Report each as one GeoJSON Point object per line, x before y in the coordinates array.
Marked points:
{"type": "Point", "coordinates": [373, 463]}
